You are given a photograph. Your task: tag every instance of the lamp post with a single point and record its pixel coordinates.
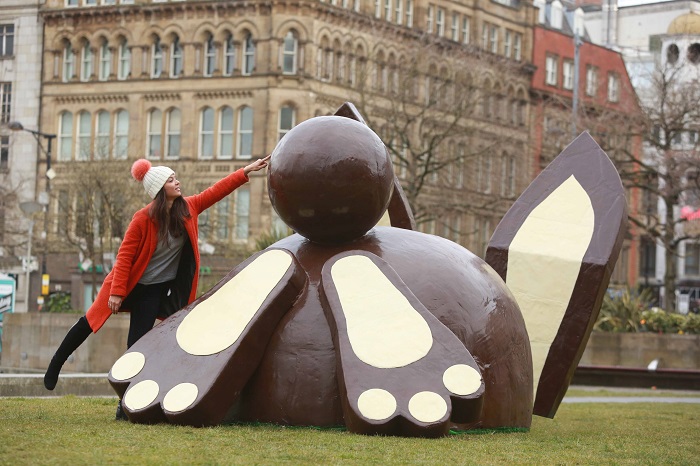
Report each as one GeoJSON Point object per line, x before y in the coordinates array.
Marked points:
{"type": "Point", "coordinates": [29, 208]}
{"type": "Point", "coordinates": [50, 174]}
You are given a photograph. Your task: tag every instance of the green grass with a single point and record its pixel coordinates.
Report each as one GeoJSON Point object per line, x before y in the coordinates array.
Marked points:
{"type": "Point", "coordinates": [73, 430]}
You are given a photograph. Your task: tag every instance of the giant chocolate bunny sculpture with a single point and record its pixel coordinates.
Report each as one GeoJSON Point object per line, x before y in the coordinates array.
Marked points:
{"type": "Point", "coordinates": [387, 330]}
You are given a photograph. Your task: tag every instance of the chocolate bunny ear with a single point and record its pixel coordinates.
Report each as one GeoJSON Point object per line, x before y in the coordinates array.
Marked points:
{"type": "Point", "coordinates": [400, 213]}
{"type": "Point", "coordinates": [556, 248]}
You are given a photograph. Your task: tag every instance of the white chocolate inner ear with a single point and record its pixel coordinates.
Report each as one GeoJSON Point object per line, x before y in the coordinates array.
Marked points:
{"type": "Point", "coordinates": [384, 330]}
{"type": "Point", "coordinates": [544, 261]}
{"type": "Point", "coordinates": [216, 323]}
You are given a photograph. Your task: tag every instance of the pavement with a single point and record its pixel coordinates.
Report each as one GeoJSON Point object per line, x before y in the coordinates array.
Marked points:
{"type": "Point", "coordinates": [96, 385]}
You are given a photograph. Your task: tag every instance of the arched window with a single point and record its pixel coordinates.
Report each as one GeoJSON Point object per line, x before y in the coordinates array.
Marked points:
{"type": "Point", "coordinates": [173, 128]}
{"type": "Point", "coordinates": [156, 58]}
{"type": "Point", "coordinates": [226, 133]}
{"type": "Point", "coordinates": [206, 133]}
{"type": "Point", "coordinates": [229, 56]}
{"type": "Point", "coordinates": [68, 63]}
{"type": "Point", "coordinates": [121, 135]}
{"type": "Point", "coordinates": [105, 61]}
{"type": "Point", "coordinates": [287, 120]}
{"type": "Point", "coordinates": [83, 147]}
{"type": "Point", "coordinates": [86, 62]}
{"type": "Point", "coordinates": [175, 58]}
{"type": "Point", "coordinates": [65, 136]}
{"type": "Point", "coordinates": [289, 53]}
{"type": "Point", "coordinates": [155, 125]}
{"type": "Point", "coordinates": [248, 55]}
{"type": "Point", "coordinates": [102, 135]}
{"type": "Point", "coordinates": [245, 133]}
{"type": "Point", "coordinates": [672, 54]}
{"type": "Point", "coordinates": [209, 56]}
{"type": "Point", "coordinates": [124, 67]}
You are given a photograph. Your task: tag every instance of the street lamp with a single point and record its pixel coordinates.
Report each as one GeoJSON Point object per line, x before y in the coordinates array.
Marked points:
{"type": "Point", "coordinates": [29, 208]}
{"type": "Point", "coordinates": [50, 174]}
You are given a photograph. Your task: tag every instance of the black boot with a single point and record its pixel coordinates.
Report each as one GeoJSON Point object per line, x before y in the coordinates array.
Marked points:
{"type": "Point", "coordinates": [121, 415]}
{"type": "Point", "coordinates": [74, 338]}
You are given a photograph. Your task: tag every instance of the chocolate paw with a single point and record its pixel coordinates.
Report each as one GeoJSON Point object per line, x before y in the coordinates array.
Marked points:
{"type": "Point", "coordinates": [191, 368]}
{"type": "Point", "coordinates": [401, 371]}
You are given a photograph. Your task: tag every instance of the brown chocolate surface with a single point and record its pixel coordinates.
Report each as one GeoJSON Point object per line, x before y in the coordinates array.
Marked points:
{"type": "Point", "coordinates": [594, 171]}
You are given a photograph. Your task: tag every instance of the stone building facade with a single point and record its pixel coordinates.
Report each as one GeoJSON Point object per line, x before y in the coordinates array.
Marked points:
{"type": "Point", "coordinates": [206, 86]}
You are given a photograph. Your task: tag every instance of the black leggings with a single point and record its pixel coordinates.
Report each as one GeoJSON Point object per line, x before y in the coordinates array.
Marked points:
{"type": "Point", "coordinates": [144, 303]}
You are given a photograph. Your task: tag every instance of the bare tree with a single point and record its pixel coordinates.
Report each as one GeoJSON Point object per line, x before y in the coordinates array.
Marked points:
{"type": "Point", "coordinates": [447, 122]}
{"type": "Point", "coordinates": [666, 172]}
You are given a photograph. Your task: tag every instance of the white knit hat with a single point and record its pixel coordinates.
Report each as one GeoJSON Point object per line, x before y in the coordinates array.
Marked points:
{"type": "Point", "coordinates": [153, 178]}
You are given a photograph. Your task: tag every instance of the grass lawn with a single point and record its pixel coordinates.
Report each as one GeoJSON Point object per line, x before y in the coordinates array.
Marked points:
{"type": "Point", "coordinates": [72, 430]}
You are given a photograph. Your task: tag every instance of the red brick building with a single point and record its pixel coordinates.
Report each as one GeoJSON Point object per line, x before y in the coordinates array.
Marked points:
{"type": "Point", "coordinates": [605, 102]}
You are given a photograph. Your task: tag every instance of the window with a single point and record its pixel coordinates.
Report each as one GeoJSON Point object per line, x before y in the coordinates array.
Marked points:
{"type": "Point", "coordinates": [83, 147]}
{"type": "Point", "coordinates": [694, 53]}
{"type": "Point", "coordinates": [65, 136]}
{"type": "Point", "coordinates": [387, 9]}
{"type": "Point", "coordinates": [174, 126]}
{"type": "Point", "coordinates": [429, 20]}
{"type": "Point", "coordinates": [245, 133]}
{"type": "Point", "coordinates": [242, 195]}
{"type": "Point", "coordinates": [672, 54]}
{"type": "Point", "coordinates": [289, 54]}
{"type": "Point", "coordinates": [518, 46]}
{"type": "Point", "coordinates": [226, 133]}
{"type": "Point", "coordinates": [229, 56]}
{"type": "Point", "coordinates": [7, 39]}
{"type": "Point", "coordinates": [466, 30]}
{"type": "Point", "coordinates": [248, 55]}
{"type": "Point", "coordinates": [124, 65]}
{"type": "Point", "coordinates": [440, 22]}
{"type": "Point", "coordinates": [102, 135]}
{"type": "Point", "coordinates": [409, 13]}
{"type": "Point", "coordinates": [86, 63]}
{"type": "Point", "coordinates": [105, 61]}
{"type": "Point", "coordinates": [222, 208]}
{"type": "Point", "coordinates": [568, 72]}
{"type": "Point", "coordinates": [613, 87]}
{"type": "Point", "coordinates": [493, 41]}
{"type": "Point", "coordinates": [551, 65]}
{"type": "Point", "coordinates": [398, 17]}
{"type": "Point", "coordinates": [485, 174]}
{"type": "Point", "coordinates": [591, 80]}
{"type": "Point", "coordinates": [286, 121]}
{"type": "Point", "coordinates": [68, 63]}
{"type": "Point", "coordinates": [507, 176]}
{"type": "Point", "coordinates": [209, 56]}
{"type": "Point", "coordinates": [4, 156]}
{"type": "Point", "coordinates": [206, 133]}
{"type": "Point", "coordinates": [455, 27]}
{"type": "Point", "coordinates": [377, 8]}
{"type": "Point", "coordinates": [156, 58]}
{"type": "Point", "coordinates": [556, 14]}
{"type": "Point", "coordinates": [155, 125]}
{"type": "Point", "coordinates": [507, 43]}
{"type": "Point", "coordinates": [121, 135]}
{"type": "Point", "coordinates": [175, 58]}
{"type": "Point", "coordinates": [692, 259]}
{"type": "Point", "coordinates": [5, 102]}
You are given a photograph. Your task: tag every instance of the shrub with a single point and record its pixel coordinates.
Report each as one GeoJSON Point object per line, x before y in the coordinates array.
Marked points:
{"type": "Point", "coordinates": [268, 239]}
{"type": "Point", "coordinates": [623, 312]}
{"type": "Point", "coordinates": [658, 321]}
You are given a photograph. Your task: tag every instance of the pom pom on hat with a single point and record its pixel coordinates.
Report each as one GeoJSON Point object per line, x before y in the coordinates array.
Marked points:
{"type": "Point", "coordinates": [140, 168]}
{"type": "Point", "coordinates": [153, 178]}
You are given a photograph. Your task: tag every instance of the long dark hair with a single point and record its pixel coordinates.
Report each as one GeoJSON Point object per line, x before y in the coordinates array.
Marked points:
{"type": "Point", "coordinates": [174, 221]}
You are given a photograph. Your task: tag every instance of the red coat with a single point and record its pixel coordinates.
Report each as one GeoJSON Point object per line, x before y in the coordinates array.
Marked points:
{"type": "Point", "coordinates": [140, 242]}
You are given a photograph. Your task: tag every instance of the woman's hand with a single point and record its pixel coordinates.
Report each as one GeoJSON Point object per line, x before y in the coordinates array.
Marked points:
{"type": "Point", "coordinates": [257, 165]}
{"type": "Point", "coordinates": [114, 303]}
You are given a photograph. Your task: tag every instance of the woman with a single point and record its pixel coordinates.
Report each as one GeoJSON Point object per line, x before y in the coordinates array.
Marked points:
{"type": "Point", "coordinates": [155, 273]}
